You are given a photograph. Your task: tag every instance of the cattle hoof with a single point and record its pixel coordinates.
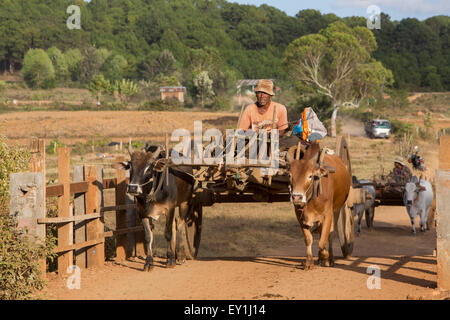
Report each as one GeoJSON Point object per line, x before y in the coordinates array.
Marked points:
{"type": "Point", "coordinates": [309, 265]}
{"type": "Point", "coordinates": [171, 263]}
{"type": "Point", "coordinates": [181, 261]}
{"type": "Point", "coordinates": [148, 267]}
{"type": "Point", "coordinates": [326, 263]}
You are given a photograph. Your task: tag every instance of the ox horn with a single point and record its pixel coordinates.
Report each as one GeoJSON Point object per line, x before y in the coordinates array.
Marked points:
{"type": "Point", "coordinates": [290, 154]}
{"type": "Point", "coordinates": [299, 147]}
{"type": "Point", "coordinates": [130, 148]}
{"type": "Point", "coordinates": [321, 158]}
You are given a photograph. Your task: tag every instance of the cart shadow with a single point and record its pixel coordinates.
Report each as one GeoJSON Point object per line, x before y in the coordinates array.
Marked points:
{"type": "Point", "coordinates": [389, 271]}
{"type": "Point", "coordinates": [392, 271]}
{"type": "Point", "coordinates": [137, 263]}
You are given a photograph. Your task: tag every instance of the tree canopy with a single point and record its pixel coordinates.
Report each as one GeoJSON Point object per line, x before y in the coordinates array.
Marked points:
{"type": "Point", "coordinates": [337, 63]}
{"type": "Point", "coordinates": [244, 40]}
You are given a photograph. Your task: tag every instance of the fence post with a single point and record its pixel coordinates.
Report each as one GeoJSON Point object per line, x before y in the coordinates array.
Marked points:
{"type": "Point", "coordinates": [94, 228]}
{"type": "Point", "coordinates": [443, 215]}
{"type": "Point", "coordinates": [65, 231]}
{"type": "Point", "coordinates": [27, 201]}
{"type": "Point", "coordinates": [37, 161]}
{"type": "Point", "coordinates": [37, 164]}
{"type": "Point", "coordinates": [79, 210]}
{"type": "Point", "coordinates": [122, 247]}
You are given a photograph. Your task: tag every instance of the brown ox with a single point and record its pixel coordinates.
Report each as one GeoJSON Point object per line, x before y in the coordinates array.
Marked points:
{"type": "Point", "coordinates": [159, 192]}
{"type": "Point", "coordinates": [318, 192]}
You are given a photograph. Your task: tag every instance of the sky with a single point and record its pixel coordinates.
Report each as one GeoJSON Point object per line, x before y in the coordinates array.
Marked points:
{"type": "Point", "coordinates": [397, 9]}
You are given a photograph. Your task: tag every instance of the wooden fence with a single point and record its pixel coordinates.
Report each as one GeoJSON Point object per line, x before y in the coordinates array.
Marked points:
{"type": "Point", "coordinates": [80, 216]}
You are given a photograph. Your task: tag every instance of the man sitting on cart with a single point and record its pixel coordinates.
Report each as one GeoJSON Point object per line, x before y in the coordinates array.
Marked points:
{"type": "Point", "coordinates": [400, 173]}
{"type": "Point", "coordinates": [260, 115]}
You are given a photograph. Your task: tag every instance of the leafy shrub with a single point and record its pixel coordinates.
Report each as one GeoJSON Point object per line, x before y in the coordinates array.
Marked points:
{"type": "Point", "coordinates": [221, 103]}
{"type": "Point", "coordinates": [401, 128]}
{"type": "Point", "coordinates": [38, 70]}
{"type": "Point", "coordinates": [161, 105]}
{"type": "Point", "coordinates": [137, 144]}
{"type": "Point", "coordinates": [428, 120]}
{"type": "Point", "coordinates": [12, 159]}
{"type": "Point", "coordinates": [20, 255]}
{"type": "Point", "coordinates": [53, 146]}
{"type": "Point", "coordinates": [19, 252]}
{"type": "Point", "coordinates": [98, 144]}
{"type": "Point", "coordinates": [2, 87]}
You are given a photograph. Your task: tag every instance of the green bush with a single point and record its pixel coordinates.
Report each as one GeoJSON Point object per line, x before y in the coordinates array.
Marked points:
{"type": "Point", "coordinates": [401, 128]}
{"type": "Point", "coordinates": [20, 270]}
{"type": "Point", "coordinates": [12, 159]}
{"type": "Point", "coordinates": [52, 148]}
{"type": "Point", "coordinates": [20, 255]}
{"type": "Point", "coordinates": [38, 70]}
{"type": "Point", "coordinates": [222, 103]}
{"type": "Point", "coordinates": [137, 144]}
{"type": "Point", "coordinates": [161, 105]}
{"type": "Point", "coordinates": [3, 86]}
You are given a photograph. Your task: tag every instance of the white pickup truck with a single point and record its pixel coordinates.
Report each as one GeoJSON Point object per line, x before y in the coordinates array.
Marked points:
{"type": "Point", "coordinates": [378, 128]}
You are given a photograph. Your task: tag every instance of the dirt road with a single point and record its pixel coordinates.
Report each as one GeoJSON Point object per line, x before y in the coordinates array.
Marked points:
{"type": "Point", "coordinates": [407, 265]}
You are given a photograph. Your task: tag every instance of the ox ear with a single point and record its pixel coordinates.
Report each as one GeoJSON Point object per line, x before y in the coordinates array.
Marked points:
{"type": "Point", "coordinates": [122, 165]}
{"type": "Point", "coordinates": [421, 188]}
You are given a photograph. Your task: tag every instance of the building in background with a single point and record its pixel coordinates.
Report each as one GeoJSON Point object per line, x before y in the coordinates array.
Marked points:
{"type": "Point", "coordinates": [172, 93]}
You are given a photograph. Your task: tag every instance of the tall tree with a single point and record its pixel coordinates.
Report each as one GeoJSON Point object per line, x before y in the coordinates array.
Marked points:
{"type": "Point", "coordinates": [204, 86]}
{"type": "Point", "coordinates": [337, 63]}
{"type": "Point", "coordinates": [60, 64]}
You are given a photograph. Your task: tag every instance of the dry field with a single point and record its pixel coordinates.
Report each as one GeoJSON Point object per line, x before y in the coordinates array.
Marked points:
{"type": "Point", "coordinates": [72, 126]}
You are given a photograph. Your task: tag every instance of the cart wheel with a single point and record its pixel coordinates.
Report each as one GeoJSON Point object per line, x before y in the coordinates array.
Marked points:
{"type": "Point", "coordinates": [346, 231]}
{"type": "Point", "coordinates": [193, 230]}
{"type": "Point", "coordinates": [346, 223]}
{"type": "Point", "coordinates": [343, 153]}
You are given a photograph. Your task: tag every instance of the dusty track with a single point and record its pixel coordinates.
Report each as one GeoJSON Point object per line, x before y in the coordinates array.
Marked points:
{"type": "Point", "coordinates": [408, 267]}
{"type": "Point", "coordinates": [408, 271]}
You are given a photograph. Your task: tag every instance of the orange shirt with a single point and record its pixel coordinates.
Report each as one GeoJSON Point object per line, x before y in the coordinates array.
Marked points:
{"type": "Point", "coordinates": [255, 118]}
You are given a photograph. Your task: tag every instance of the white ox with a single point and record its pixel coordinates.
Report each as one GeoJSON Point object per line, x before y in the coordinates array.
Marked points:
{"type": "Point", "coordinates": [417, 198]}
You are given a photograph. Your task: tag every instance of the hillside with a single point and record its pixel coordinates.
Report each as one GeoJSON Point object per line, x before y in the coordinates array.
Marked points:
{"type": "Point", "coordinates": [242, 41]}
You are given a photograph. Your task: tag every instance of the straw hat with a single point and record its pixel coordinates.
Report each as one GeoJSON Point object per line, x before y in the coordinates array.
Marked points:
{"type": "Point", "coordinates": [399, 160]}
{"type": "Point", "coordinates": [265, 86]}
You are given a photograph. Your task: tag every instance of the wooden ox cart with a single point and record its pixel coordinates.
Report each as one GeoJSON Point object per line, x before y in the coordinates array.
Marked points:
{"type": "Point", "coordinates": [388, 191]}
{"type": "Point", "coordinates": [244, 183]}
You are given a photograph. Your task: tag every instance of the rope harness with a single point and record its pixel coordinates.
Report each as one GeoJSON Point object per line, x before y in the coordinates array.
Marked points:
{"type": "Point", "coordinates": [312, 192]}
{"type": "Point", "coordinates": [164, 171]}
